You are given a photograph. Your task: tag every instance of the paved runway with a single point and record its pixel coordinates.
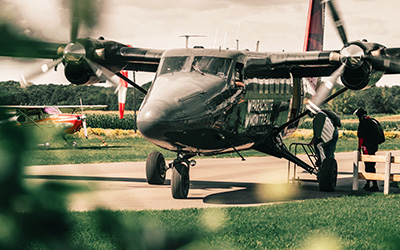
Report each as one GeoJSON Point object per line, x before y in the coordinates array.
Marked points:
{"type": "Point", "coordinates": [214, 182]}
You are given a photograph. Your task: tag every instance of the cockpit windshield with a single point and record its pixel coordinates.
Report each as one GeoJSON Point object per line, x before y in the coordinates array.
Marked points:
{"type": "Point", "coordinates": [212, 65]}
{"type": "Point", "coordinates": [202, 64]}
{"type": "Point", "coordinates": [173, 64]}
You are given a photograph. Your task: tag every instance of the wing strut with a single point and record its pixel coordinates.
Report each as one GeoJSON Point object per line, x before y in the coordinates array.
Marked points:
{"type": "Point", "coordinates": [131, 83]}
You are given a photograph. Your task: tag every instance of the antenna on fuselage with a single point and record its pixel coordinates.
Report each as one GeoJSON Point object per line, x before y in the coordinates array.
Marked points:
{"type": "Point", "coordinates": [257, 46]}
{"type": "Point", "coordinates": [187, 38]}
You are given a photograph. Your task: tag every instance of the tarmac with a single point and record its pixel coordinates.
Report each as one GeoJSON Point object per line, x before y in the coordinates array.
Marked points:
{"type": "Point", "coordinates": [218, 182]}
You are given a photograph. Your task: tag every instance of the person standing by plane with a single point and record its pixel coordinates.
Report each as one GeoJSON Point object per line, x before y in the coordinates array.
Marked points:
{"type": "Point", "coordinates": [368, 141]}
{"type": "Point", "coordinates": [325, 124]}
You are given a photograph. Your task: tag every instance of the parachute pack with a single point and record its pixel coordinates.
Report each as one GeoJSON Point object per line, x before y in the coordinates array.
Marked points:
{"type": "Point", "coordinates": [376, 134]}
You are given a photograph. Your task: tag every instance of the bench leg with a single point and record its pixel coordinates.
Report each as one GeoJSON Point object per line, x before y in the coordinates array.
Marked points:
{"type": "Point", "coordinates": [387, 173]}
{"type": "Point", "coordinates": [355, 170]}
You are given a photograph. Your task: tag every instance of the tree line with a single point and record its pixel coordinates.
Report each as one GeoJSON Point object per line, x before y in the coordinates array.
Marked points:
{"type": "Point", "coordinates": [376, 100]}
{"type": "Point", "coordinates": [54, 94]}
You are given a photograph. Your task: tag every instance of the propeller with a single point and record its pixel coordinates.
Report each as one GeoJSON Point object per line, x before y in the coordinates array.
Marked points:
{"type": "Point", "coordinates": [83, 13]}
{"type": "Point", "coordinates": [83, 117]}
{"type": "Point", "coordinates": [350, 56]}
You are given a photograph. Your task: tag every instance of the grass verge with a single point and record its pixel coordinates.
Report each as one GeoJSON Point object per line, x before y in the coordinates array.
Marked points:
{"type": "Point", "coordinates": [351, 222]}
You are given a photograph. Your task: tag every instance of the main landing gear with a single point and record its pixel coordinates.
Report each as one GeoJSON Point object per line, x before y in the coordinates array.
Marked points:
{"type": "Point", "coordinates": [156, 171]}
{"type": "Point", "coordinates": [326, 172]}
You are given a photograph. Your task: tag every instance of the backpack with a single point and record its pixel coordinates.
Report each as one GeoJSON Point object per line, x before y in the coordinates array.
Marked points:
{"type": "Point", "coordinates": [376, 134]}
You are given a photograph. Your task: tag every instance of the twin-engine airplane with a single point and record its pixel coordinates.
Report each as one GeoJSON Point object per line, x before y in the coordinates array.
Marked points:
{"type": "Point", "coordinates": [213, 101]}
{"type": "Point", "coordinates": [49, 120]}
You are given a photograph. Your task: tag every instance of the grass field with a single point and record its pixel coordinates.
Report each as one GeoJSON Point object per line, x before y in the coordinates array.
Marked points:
{"type": "Point", "coordinates": [351, 222]}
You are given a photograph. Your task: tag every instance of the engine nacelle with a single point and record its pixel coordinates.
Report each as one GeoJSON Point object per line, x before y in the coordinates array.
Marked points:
{"type": "Point", "coordinates": [361, 77]}
{"type": "Point", "coordinates": [80, 74]}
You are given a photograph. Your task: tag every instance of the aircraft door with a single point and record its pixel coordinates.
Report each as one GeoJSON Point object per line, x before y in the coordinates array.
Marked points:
{"type": "Point", "coordinates": [237, 76]}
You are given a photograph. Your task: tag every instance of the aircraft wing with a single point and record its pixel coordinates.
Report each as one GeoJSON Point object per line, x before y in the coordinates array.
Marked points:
{"type": "Point", "coordinates": [31, 110]}
{"type": "Point", "coordinates": [140, 59]}
{"type": "Point", "coordinates": [297, 64]}
{"type": "Point", "coordinates": [74, 108]}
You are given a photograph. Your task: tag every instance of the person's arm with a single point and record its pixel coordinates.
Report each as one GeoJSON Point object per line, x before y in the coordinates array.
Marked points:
{"type": "Point", "coordinates": [361, 134]}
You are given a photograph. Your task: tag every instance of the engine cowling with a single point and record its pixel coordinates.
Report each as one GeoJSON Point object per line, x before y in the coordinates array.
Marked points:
{"type": "Point", "coordinates": [80, 74]}
{"type": "Point", "coordinates": [359, 72]}
{"type": "Point", "coordinates": [361, 77]}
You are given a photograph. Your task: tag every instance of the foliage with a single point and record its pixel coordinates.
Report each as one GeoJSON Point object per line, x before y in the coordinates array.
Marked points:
{"type": "Point", "coordinates": [107, 120]}
{"type": "Point", "coordinates": [26, 215]}
{"type": "Point", "coordinates": [376, 100]}
{"type": "Point", "coordinates": [12, 94]}
{"type": "Point", "coordinates": [353, 126]}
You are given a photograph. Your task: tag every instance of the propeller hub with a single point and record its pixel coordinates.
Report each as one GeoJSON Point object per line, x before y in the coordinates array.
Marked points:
{"type": "Point", "coordinates": [74, 53]}
{"type": "Point", "coordinates": [352, 56]}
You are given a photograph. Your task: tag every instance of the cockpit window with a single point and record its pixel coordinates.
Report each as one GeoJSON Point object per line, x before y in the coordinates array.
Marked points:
{"type": "Point", "coordinates": [173, 64]}
{"type": "Point", "coordinates": [212, 65]}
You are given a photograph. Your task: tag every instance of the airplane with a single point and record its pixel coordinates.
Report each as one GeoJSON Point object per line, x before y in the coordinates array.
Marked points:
{"type": "Point", "coordinates": [50, 120]}
{"type": "Point", "coordinates": [214, 101]}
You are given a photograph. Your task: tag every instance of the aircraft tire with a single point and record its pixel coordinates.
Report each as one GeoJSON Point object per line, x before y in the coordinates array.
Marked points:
{"type": "Point", "coordinates": [328, 175]}
{"type": "Point", "coordinates": [180, 181]}
{"type": "Point", "coordinates": [155, 168]}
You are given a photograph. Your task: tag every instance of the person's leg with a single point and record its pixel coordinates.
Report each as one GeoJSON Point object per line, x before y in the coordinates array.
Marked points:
{"type": "Point", "coordinates": [370, 168]}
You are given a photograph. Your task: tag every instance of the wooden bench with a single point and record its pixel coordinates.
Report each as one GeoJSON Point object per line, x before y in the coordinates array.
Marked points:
{"type": "Point", "coordinates": [386, 177]}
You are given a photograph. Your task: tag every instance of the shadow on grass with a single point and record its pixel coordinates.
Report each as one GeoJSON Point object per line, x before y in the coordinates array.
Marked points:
{"type": "Point", "coordinates": [80, 147]}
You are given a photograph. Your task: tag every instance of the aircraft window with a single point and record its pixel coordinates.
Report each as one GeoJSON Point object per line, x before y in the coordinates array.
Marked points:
{"type": "Point", "coordinates": [212, 65]}
{"type": "Point", "coordinates": [173, 64]}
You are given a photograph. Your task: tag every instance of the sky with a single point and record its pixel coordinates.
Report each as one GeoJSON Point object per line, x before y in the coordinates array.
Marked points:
{"type": "Point", "coordinates": [277, 24]}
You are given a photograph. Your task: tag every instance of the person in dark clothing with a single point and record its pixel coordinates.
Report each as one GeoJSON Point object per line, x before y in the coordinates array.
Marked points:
{"type": "Point", "coordinates": [325, 135]}
{"type": "Point", "coordinates": [366, 145]}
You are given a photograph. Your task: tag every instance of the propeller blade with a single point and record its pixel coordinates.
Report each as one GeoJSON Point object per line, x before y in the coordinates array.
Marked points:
{"type": "Point", "coordinates": [324, 90]}
{"type": "Point", "coordinates": [384, 63]}
{"type": "Point", "coordinates": [338, 21]}
{"type": "Point", "coordinates": [83, 13]}
{"type": "Point", "coordinates": [122, 94]}
{"type": "Point", "coordinates": [103, 72]}
{"type": "Point", "coordinates": [43, 69]}
{"type": "Point", "coordinates": [83, 117]}
{"type": "Point", "coordinates": [85, 128]}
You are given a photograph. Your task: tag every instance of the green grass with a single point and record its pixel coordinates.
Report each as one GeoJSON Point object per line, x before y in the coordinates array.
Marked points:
{"type": "Point", "coordinates": [350, 222]}
{"type": "Point", "coordinates": [137, 149]}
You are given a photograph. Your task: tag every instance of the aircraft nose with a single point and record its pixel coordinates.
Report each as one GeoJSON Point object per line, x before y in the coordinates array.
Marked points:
{"type": "Point", "coordinates": [153, 119]}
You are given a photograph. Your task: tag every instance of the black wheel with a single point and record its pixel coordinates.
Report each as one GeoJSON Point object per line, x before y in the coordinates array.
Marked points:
{"type": "Point", "coordinates": [180, 181]}
{"type": "Point", "coordinates": [328, 175]}
{"type": "Point", "coordinates": [155, 168]}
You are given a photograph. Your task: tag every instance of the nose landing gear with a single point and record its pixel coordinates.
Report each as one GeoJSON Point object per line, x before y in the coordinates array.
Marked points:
{"type": "Point", "coordinates": [156, 171]}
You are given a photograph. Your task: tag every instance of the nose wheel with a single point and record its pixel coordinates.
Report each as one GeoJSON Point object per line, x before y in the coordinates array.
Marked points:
{"type": "Point", "coordinates": [155, 168]}
{"type": "Point", "coordinates": [180, 181]}
{"type": "Point", "coordinates": [156, 171]}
